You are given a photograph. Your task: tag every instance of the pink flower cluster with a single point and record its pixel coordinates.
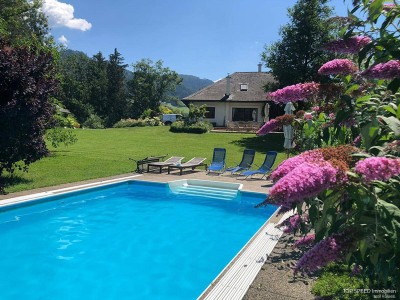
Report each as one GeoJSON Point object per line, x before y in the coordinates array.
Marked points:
{"type": "Point", "coordinates": [389, 6]}
{"type": "Point", "coordinates": [338, 67]}
{"type": "Point", "coordinates": [305, 241]}
{"type": "Point", "coordinates": [387, 70]}
{"type": "Point", "coordinates": [271, 125]}
{"type": "Point", "coordinates": [308, 116]}
{"type": "Point", "coordinates": [351, 45]}
{"type": "Point", "coordinates": [292, 223]}
{"type": "Point", "coordinates": [325, 251]}
{"type": "Point", "coordinates": [306, 180]}
{"type": "Point", "coordinates": [290, 164]}
{"type": "Point", "coordinates": [294, 93]}
{"type": "Point", "coordinates": [357, 141]}
{"type": "Point", "coordinates": [378, 168]}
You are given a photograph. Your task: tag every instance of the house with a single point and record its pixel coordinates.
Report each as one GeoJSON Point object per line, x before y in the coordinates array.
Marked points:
{"type": "Point", "coordinates": [240, 97]}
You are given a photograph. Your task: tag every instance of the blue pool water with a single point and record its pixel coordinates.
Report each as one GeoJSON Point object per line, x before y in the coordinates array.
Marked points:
{"type": "Point", "coordinates": [132, 240]}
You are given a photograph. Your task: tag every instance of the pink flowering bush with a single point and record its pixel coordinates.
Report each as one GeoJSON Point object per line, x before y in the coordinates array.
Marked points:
{"type": "Point", "coordinates": [290, 164]}
{"type": "Point", "coordinates": [388, 70]}
{"type": "Point", "coordinates": [271, 125]}
{"type": "Point", "coordinates": [294, 93]}
{"type": "Point", "coordinates": [305, 181]}
{"type": "Point", "coordinates": [325, 251]}
{"type": "Point", "coordinates": [293, 223]}
{"type": "Point", "coordinates": [338, 67]}
{"type": "Point", "coordinates": [305, 241]}
{"type": "Point", "coordinates": [378, 168]}
{"type": "Point", "coordinates": [351, 45]}
{"type": "Point", "coordinates": [352, 202]}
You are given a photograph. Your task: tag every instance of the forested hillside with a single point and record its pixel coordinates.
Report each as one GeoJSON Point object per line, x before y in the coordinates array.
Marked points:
{"type": "Point", "coordinates": [190, 84]}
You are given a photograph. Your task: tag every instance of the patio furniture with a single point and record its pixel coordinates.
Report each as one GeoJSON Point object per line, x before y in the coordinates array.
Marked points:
{"type": "Point", "coordinates": [192, 164]}
{"type": "Point", "coordinates": [245, 164]}
{"type": "Point", "coordinates": [218, 160]}
{"type": "Point", "coordinates": [141, 164]}
{"type": "Point", "coordinates": [265, 168]}
{"type": "Point", "coordinates": [174, 160]}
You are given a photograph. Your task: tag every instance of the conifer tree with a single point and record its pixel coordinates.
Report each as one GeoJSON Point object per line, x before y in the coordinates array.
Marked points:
{"type": "Point", "coordinates": [116, 91]}
{"type": "Point", "coordinates": [297, 57]}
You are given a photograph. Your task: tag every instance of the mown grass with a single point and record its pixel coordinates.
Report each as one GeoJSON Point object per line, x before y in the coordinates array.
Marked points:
{"type": "Point", "coordinates": [106, 152]}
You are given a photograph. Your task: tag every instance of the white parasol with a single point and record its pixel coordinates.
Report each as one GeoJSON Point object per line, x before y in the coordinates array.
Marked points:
{"type": "Point", "coordinates": [288, 129]}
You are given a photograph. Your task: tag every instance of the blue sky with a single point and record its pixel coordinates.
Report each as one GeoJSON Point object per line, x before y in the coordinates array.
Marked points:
{"type": "Point", "coordinates": [205, 38]}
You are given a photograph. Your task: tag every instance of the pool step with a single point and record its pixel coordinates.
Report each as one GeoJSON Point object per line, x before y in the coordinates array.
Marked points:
{"type": "Point", "coordinates": [207, 192]}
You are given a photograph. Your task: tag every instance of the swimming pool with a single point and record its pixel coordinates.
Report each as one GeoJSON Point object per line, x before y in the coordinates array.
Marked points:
{"type": "Point", "coordinates": [132, 240]}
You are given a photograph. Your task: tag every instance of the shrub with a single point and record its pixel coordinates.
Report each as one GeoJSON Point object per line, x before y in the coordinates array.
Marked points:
{"type": "Point", "coordinates": [94, 122]}
{"type": "Point", "coordinates": [199, 127]}
{"type": "Point", "coordinates": [138, 122]}
{"type": "Point", "coordinates": [58, 135]}
{"type": "Point", "coordinates": [336, 283]}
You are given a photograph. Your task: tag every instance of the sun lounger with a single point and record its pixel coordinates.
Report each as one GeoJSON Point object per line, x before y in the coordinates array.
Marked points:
{"type": "Point", "coordinates": [192, 164]}
{"type": "Point", "coordinates": [245, 164]}
{"type": "Point", "coordinates": [218, 160]}
{"type": "Point", "coordinates": [174, 160]}
{"type": "Point", "coordinates": [265, 168]}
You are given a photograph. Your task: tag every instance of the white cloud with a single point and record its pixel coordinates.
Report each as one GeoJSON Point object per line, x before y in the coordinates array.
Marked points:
{"type": "Point", "coordinates": [61, 14]}
{"type": "Point", "coordinates": [63, 40]}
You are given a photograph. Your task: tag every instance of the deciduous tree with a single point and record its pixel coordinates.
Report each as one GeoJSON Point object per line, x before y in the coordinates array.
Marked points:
{"type": "Point", "coordinates": [27, 83]}
{"type": "Point", "coordinates": [151, 84]}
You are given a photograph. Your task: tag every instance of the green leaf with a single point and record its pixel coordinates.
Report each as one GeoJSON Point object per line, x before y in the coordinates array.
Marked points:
{"type": "Point", "coordinates": [393, 123]}
{"type": "Point", "coordinates": [363, 99]}
{"type": "Point", "coordinates": [394, 85]}
{"type": "Point", "coordinates": [353, 88]}
{"type": "Point", "coordinates": [363, 245]}
{"type": "Point", "coordinates": [375, 9]}
{"type": "Point", "coordinates": [391, 108]}
{"type": "Point", "coordinates": [369, 133]}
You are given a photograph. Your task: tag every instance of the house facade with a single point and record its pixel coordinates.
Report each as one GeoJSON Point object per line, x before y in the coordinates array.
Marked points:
{"type": "Point", "coordinates": [240, 97]}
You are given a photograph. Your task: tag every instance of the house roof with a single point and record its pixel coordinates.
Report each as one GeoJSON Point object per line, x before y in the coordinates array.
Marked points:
{"type": "Point", "coordinates": [217, 92]}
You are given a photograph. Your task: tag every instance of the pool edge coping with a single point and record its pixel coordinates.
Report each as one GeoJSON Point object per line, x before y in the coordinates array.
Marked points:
{"type": "Point", "coordinates": [254, 254]}
{"type": "Point", "coordinates": [60, 191]}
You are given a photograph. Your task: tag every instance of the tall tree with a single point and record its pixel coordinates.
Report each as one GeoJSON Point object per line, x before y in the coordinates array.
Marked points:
{"type": "Point", "coordinates": [74, 93]}
{"type": "Point", "coordinates": [116, 92]}
{"type": "Point", "coordinates": [22, 21]}
{"type": "Point", "coordinates": [151, 84]}
{"type": "Point", "coordinates": [98, 84]}
{"type": "Point", "coordinates": [298, 55]}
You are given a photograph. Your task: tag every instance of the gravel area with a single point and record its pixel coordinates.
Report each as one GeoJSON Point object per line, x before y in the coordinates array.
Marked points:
{"type": "Point", "coordinates": [275, 281]}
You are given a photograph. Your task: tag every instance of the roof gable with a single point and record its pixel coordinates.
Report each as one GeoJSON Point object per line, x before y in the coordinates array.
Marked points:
{"type": "Point", "coordinates": [255, 82]}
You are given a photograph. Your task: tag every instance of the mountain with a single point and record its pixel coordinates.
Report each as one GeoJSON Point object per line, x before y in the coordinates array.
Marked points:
{"type": "Point", "coordinates": [190, 85]}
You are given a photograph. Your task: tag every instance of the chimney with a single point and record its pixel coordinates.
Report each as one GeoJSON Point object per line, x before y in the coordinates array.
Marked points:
{"type": "Point", "coordinates": [259, 67]}
{"type": "Point", "coordinates": [228, 85]}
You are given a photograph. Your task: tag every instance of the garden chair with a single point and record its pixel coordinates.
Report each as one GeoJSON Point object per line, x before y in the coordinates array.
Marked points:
{"type": "Point", "coordinates": [218, 160]}
{"type": "Point", "coordinates": [192, 164]}
{"type": "Point", "coordinates": [174, 160]}
{"type": "Point", "coordinates": [245, 164]}
{"type": "Point", "coordinates": [265, 168]}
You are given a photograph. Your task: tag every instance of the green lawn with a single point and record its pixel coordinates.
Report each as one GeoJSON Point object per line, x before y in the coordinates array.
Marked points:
{"type": "Point", "coordinates": [100, 153]}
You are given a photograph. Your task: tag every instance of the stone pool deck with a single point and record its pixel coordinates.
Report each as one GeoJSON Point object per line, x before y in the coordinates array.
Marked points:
{"type": "Point", "coordinates": [274, 281]}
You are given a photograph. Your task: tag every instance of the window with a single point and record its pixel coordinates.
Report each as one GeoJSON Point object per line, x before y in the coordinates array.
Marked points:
{"type": "Point", "coordinates": [210, 113]}
{"type": "Point", "coordinates": [244, 114]}
{"type": "Point", "coordinates": [243, 86]}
